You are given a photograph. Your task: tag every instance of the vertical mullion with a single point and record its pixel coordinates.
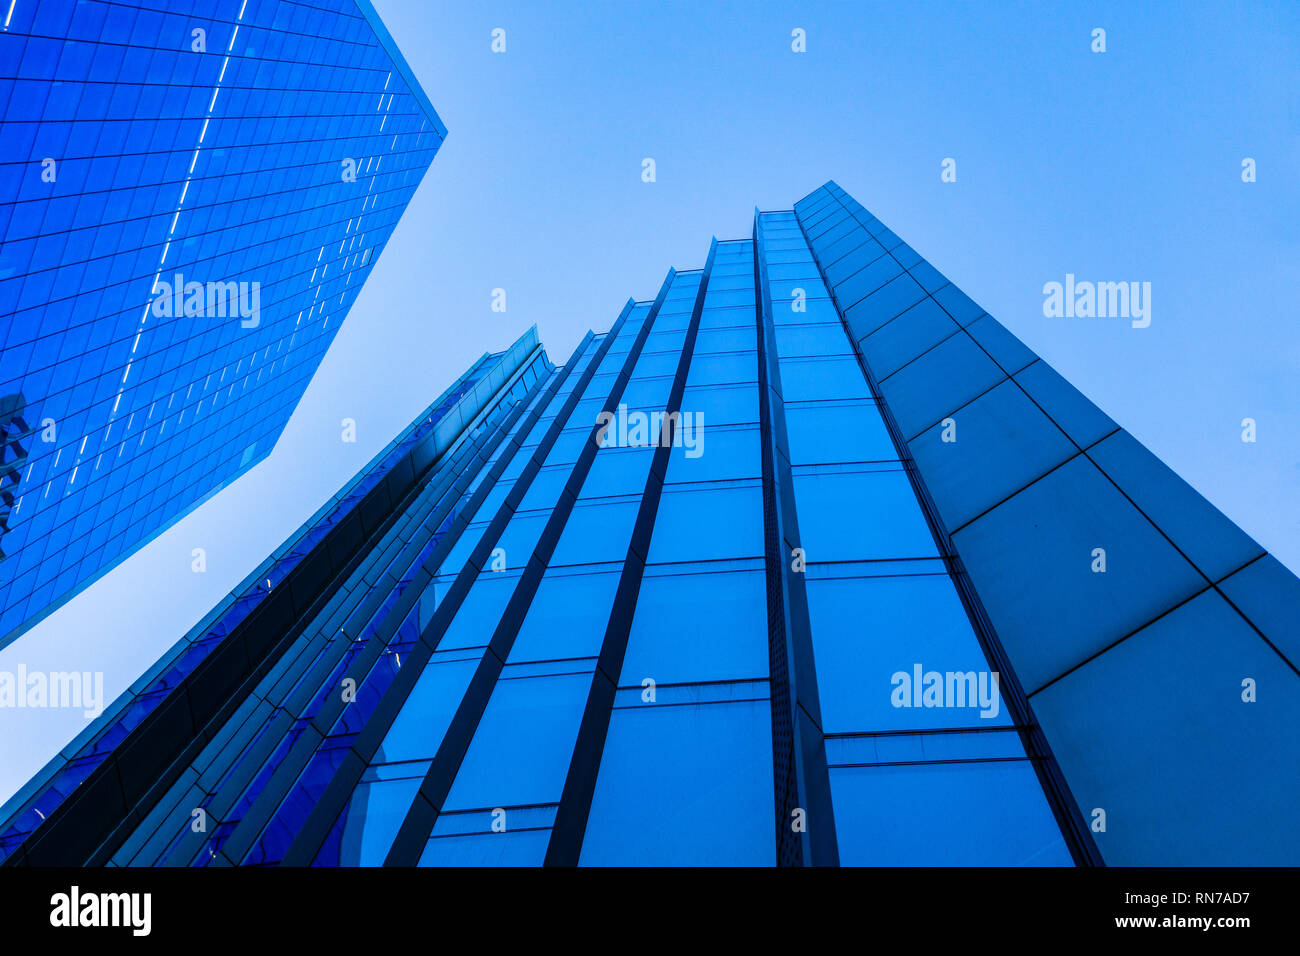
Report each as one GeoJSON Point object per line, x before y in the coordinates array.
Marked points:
{"type": "Point", "coordinates": [437, 783]}
{"type": "Point", "coordinates": [312, 834]}
{"type": "Point", "coordinates": [801, 780]}
{"type": "Point", "coordinates": [228, 794]}
{"type": "Point", "coordinates": [455, 479]}
{"type": "Point", "coordinates": [565, 845]}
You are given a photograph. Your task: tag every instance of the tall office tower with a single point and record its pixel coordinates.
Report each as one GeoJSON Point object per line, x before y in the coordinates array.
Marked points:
{"type": "Point", "coordinates": [841, 608]}
{"type": "Point", "coordinates": [189, 203]}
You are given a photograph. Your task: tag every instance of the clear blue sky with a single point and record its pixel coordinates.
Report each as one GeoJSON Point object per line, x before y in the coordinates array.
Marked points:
{"type": "Point", "coordinates": [1117, 166]}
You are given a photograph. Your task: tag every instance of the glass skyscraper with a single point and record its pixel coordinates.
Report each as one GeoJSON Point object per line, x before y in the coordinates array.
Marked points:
{"type": "Point", "coordinates": [190, 200]}
{"type": "Point", "coordinates": [797, 564]}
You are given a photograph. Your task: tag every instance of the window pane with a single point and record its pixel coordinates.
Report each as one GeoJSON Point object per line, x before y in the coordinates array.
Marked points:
{"type": "Point", "coordinates": [944, 815]}
{"type": "Point", "coordinates": [693, 625]}
{"type": "Point", "coordinates": [684, 785]}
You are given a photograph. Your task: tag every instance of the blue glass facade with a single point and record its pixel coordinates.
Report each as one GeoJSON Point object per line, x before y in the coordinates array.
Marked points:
{"type": "Point", "coordinates": [192, 196]}
{"type": "Point", "coordinates": [216, 650]}
{"type": "Point", "coordinates": [1141, 624]}
{"type": "Point", "coordinates": [783, 569]}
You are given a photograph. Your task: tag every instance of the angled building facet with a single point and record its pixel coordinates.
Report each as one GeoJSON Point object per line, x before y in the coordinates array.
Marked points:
{"type": "Point", "coordinates": [189, 205]}
{"type": "Point", "coordinates": [793, 566]}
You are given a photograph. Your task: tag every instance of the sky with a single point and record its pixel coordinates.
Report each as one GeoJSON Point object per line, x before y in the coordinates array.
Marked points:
{"type": "Point", "coordinates": [1117, 166]}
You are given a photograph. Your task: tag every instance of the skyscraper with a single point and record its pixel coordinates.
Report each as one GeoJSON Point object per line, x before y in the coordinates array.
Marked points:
{"type": "Point", "coordinates": [796, 565]}
{"type": "Point", "coordinates": [190, 203]}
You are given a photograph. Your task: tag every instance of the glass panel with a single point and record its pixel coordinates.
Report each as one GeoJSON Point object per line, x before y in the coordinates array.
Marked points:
{"type": "Point", "coordinates": [420, 725]}
{"type": "Point", "coordinates": [694, 624]}
{"type": "Point", "coordinates": [708, 522]}
{"type": "Point", "coordinates": [877, 640]}
{"type": "Point", "coordinates": [374, 815]}
{"type": "Point", "coordinates": [897, 528]}
{"type": "Point", "coordinates": [945, 815]}
{"type": "Point", "coordinates": [520, 753]}
{"type": "Point", "coordinates": [684, 785]}
{"type": "Point", "coordinates": [568, 616]}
